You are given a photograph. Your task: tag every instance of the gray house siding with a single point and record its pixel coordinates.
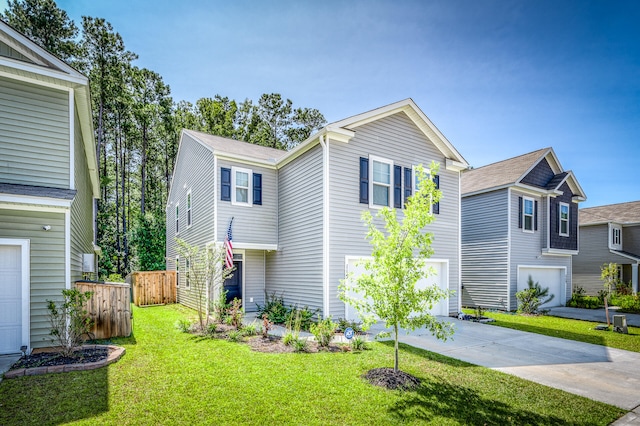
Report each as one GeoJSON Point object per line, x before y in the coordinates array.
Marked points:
{"type": "Point", "coordinates": [631, 239]}
{"type": "Point", "coordinates": [526, 247]}
{"type": "Point", "coordinates": [34, 134]}
{"type": "Point", "coordinates": [255, 224]}
{"type": "Point", "coordinates": [485, 250]}
{"type": "Point", "coordinates": [295, 269]}
{"type": "Point", "coordinates": [47, 258]}
{"type": "Point", "coordinates": [395, 138]}
{"type": "Point", "coordinates": [254, 279]}
{"type": "Point", "coordinates": [540, 175]}
{"type": "Point", "coordinates": [194, 171]}
{"type": "Point", "coordinates": [81, 209]}
{"type": "Point", "coordinates": [556, 240]}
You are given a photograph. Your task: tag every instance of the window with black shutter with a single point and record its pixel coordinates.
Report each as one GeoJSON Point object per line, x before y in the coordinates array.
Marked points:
{"type": "Point", "coordinates": [257, 188]}
{"type": "Point", "coordinates": [364, 180]}
{"type": "Point", "coordinates": [225, 184]}
{"type": "Point", "coordinates": [397, 187]}
{"type": "Point", "coordinates": [408, 191]}
{"type": "Point", "coordinates": [436, 206]}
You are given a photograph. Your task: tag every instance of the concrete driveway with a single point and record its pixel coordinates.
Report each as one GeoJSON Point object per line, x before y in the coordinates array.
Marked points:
{"type": "Point", "coordinates": [596, 372]}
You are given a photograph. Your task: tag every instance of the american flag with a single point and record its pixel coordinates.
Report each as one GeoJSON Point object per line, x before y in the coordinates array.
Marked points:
{"type": "Point", "coordinates": [228, 245]}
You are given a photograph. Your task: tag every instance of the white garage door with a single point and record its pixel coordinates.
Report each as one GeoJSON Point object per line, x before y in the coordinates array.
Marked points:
{"type": "Point", "coordinates": [10, 299]}
{"type": "Point", "coordinates": [440, 278]}
{"type": "Point", "coordinates": [552, 277]}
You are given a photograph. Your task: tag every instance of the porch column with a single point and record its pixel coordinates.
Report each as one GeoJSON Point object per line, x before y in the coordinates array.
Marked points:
{"type": "Point", "coordinates": [634, 277]}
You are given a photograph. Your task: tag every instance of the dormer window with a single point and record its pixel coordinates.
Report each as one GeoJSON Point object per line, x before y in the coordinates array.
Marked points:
{"type": "Point", "coordinates": [615, 232]}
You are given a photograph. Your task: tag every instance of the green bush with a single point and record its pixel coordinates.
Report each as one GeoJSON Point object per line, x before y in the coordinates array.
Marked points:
{"type": "Point", "coordinates": [302, 315]}
{"type": "Point", "coordinates": [586, 302]}
{"type": "Point", "coordinates": [359, 343]}
{"type": "Point", "coordinates": [183, 325]}
{"type": "Point", "coordinates": [70, 321]}
{"type": "Point", "coordinates": [626, 303]}
{"type": "Point", "coordinates": [343, 324]}
{"type": "Point", "coordinates": [274, 308]}
{"type": "Point", "coordinates": [324, 331]}
{"type": "Point", "coordinates": [530, 299]}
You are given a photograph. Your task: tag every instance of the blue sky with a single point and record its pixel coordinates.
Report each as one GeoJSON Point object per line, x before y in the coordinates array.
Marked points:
{"type": "Point", "coordinates": [498, 78]}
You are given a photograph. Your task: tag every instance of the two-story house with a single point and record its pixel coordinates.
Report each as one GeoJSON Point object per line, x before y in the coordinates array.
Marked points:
{"type": "Point", "coordinates": [519, 220]}
{"type": "Point", "coordinates": [297, 228]}
{"type": "Point", "coordinates": [608, 234]}
{"type": "Point", "coordinates": [48, 182]}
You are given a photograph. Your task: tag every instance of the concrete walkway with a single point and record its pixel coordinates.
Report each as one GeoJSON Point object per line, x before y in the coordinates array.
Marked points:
{"type": "Point", "coordinates": [596, 372]}
{"type": "Point", "coordinates": [596, 315]}
{"type": "Point", "coordinates": [7, 361]}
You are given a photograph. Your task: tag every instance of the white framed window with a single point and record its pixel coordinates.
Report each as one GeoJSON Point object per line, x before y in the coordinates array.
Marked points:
{"type": "Point", "coordinates": [241, 186]}
{"type": "Point", "coordinates": [528, 216]}
{"type": "Point", "coordinates": [381, 178]}
{"type": "Point", "coordinates": [177, 218]}
{"type": "Point", "coordinates": [615, 236]}
{"type": "Point", "coordinates": [189, 208]}
{"type": "Point", "coordinates": [177, 271]}
{"type": "Point", "coordinates": [187, 271]}
{"type": "Point", "coordinates": [563, 219]}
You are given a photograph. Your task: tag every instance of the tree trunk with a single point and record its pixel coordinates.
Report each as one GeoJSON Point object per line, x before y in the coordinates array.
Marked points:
{"type": "Point", "coordinates": [395, 365]}
{"type": "Point", "coordinates": [143, 169]}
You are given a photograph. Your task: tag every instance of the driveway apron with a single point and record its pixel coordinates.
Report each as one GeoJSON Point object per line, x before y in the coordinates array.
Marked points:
{"type": "Point", "coordinates": [596, 372]}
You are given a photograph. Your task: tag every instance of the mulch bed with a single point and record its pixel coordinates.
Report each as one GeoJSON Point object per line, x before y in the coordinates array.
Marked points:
{"type": "Point", "coordinates": [274, 344]}
{"type": "Point", "coordinates": [48, 359]}
{"type": "Point", "coordinates": [390, 379]}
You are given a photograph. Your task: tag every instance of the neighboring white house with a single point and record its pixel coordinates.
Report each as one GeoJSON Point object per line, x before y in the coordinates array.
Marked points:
{"type": "Point", "coordinates": [519, 220]}
{"type": "Point", "coordinates": [48, 182]}
{"type": "Point", "coordinates": [297, 227]}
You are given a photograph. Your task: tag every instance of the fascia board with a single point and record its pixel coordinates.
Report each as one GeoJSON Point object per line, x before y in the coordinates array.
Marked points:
{"type": "Point", "coordinates": [21, 200]}
{"type": "Point", "coordinates": [83, 106]}
{"type": "Point", "coordinates": [48, 73]}
{"type": "Point", "coordinates": [482, 191]}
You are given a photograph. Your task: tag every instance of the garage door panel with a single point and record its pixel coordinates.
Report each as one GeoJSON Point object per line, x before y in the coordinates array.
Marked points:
{"type": "Point", "coordinates": [10, 299]}
{"type": "Point", "coordinates": [552, 278]}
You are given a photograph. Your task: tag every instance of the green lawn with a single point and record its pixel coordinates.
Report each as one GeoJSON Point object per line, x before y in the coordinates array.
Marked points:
{"type": "Point", "coordinates": [582, 331]}
{"type": "Point", "coordinates": [167, 377]}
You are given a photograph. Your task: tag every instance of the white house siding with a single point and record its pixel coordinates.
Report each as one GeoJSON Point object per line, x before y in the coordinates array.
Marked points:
{"type": "Point", "coordinates": [395, 138]}
{"type": "Point", "coordinates": [295, 269]}
{"type": "Point", "coordinates": [256, 224]}
{"type": "Point", "coordinates": [47, 258]}
{"type": "Point", "coordinates": [194, 170]}
{"type": "Point", "coordinates": [254, 279]}
{"type": "Point", "coordinates": [81, 209]}
{"type": "Point", "coordinates": [526, 248]}
{"type": "Point", "coordinates": [485, 250]}
{"type": "Point", "coordinates": [34, 134]}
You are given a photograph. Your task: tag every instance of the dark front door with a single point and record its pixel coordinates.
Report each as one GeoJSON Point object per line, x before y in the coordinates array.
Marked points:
{"type": "Point", "coordinates": [234, 284]}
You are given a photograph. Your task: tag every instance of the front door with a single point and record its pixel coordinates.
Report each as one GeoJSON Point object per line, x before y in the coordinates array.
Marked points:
{"type": "Point", "coordinates": [233, 285]}
{"type": "Point", "coordinates": [10, 299]}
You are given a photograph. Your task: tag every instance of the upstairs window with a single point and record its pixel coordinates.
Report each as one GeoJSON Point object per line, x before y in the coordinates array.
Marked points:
{"type": "Point", "coordinates": [616, 237]}
{"type": "Point", "coordinates": [563, 219]}
{"type": "Point", "coordinates": [188, 208]}
{"type": "Point", "coordinates": [187, 272]}
{"type": "Point", "coordinates": [527, 214]}
{"type": "Point", "coordinates": [240, 186]}
{"type": "Point", "coordinates": [435, 207]}
{"type": "Point", "coordinates": [381, 183]}
{"type": "Point", "coordinates": [177, 219]}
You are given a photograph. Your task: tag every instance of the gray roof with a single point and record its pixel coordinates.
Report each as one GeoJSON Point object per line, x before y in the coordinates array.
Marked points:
{"type": "Point", "coordinates": [235, 147]}
{"type": "Point", "coordinates": [37, 191]}
{"type": "Point", "coordinates": [502, 173]}
{"type": "Point", "coordinates": [620, 213]}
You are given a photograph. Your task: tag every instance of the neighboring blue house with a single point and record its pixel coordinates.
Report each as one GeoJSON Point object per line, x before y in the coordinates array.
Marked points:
{"type": "Point", "coordinates": [297, 226]}
{"type": "Point", "coordinates": [519, 219]}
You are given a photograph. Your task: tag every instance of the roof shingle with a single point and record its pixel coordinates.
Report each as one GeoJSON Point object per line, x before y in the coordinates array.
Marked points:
{"type": "Point", "coordinates": [235, 147]}
{"type": "Point", "coordinates": [620, 213]}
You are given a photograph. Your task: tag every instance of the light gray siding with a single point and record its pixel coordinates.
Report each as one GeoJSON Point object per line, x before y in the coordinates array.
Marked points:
{"type": "Point", "coordinates": [255, 224]}
{"type": "Point", "coordinates": [194, 171]}
{"type": "Point", "coordinates": [394, 138]}
{"type": "Point", "coordinates": [295, 270]}
{"type": "Point", "coordinates": [47, 257]}
{"type": "Point", "coordinates": [34, 134]}
{"type": "Point", "coordinates": [526, 247]}
{"type": "Point", "coordinates": [485, 250]}
{"type": "Point", "coordinates": [631, 239]}
{"type": "Point", "coordinates": [81, 209]}
{"type": "Point", "coordinates": [254, 279]}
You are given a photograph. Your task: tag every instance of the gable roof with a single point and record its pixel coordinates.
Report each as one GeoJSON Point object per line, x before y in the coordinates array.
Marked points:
{"type": "Point", "coordinates": [622, 213]}
{"type": "Point", "coordinates": [235, 148]}
{"type": "Point", "coordinates": [512, 171]}
{"type": "Point", "coordinates": [31, 63]}
{"type": "Point", "coordinates": [344, 130]}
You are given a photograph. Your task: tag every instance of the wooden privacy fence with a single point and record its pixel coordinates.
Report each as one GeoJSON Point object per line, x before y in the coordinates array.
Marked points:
{"type": "Point", "coordinates": [153, 287]}
{"type": "Point", "coordinates": [109, 307]}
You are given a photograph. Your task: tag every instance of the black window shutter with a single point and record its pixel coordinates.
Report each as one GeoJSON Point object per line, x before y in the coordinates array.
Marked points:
{"type": "Point", "coordinates": [535, 215]}
{"type": "Point", "coordinates": [257, 188]}
{"type": "Point", "coordinates": [436, 206]}
{"type": "Point", "coordinates": [407, 184]}
{"type": "Point", "coordinates": [225, 184]}
{"type": "Point", "coordinates": [397, 187]}
{"type": "Point", "coordinates": [364, 180]}
{"type": "Point", "coordinates": [557, 217]}
{"type": "Point", "coordinates": [519, 212]}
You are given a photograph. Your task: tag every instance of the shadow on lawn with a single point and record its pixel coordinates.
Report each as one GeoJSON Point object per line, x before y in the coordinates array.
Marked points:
{"type": "Point", "coordinates": [54, 398]}
{"type": "Point", "coordinates": [437, 398]}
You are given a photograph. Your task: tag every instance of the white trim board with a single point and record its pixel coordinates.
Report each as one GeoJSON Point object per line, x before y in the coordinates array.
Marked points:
{"type": "Point", "coordinates": [25, 270]}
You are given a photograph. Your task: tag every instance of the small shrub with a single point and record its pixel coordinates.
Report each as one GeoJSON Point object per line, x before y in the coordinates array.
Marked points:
{"type": "Point", "coordinates": [115, 278]}
{"type": "Point", "coordinates": [70, 322]}
{"type": "Point", "coordinates": [183, 325]}
{"type": "Point", "coordinates": [250, 329]}
{"type": "Point", "coordinates": [324, 331]}
{"type": "Point", "coordinates": [623, 289]}
{"type": "Point", "coordinates": [585, 302]}
{"type": "Point", "coordinates": [274, 308]}
{"type": "Point", "coordinates": [530, 299]}
{"type": "Point", "coordinates": [212, 329]}
{"type": "Point", "coordinates": [299, 345]}
{"type": "Point", "coordinates": [343, 324]}
{"type": "Point", "coordinates": [235, 313]}
{"type": "Point", "coordinates": [628, 304]}
{"type": "Point", "coordinates": [234, 335]}
{"type": "Point", "coordinates": [219, 307]}
{"type": "Point", "coordinates": [302, 315]}
{"type": "Point", "coordinates": [289, 338]}
{"type": "Point", "coordinates": [479, 312]}
{"type": "Point", "coordinates": [359, 343]}
{"type": "Point", "coordinates": [266, 326]}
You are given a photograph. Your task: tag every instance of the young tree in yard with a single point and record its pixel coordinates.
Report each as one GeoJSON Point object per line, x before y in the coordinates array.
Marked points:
{"type": "Point", "coordinates": [388, 287]}
{"type": "Point", "coordinates": [206, 274]}
{"type": "Point", "coordinates": [609, 276]}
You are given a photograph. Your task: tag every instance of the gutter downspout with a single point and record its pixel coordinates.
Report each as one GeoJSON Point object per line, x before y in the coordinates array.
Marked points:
{"type": "Point", "coordinates": [325, 226]}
